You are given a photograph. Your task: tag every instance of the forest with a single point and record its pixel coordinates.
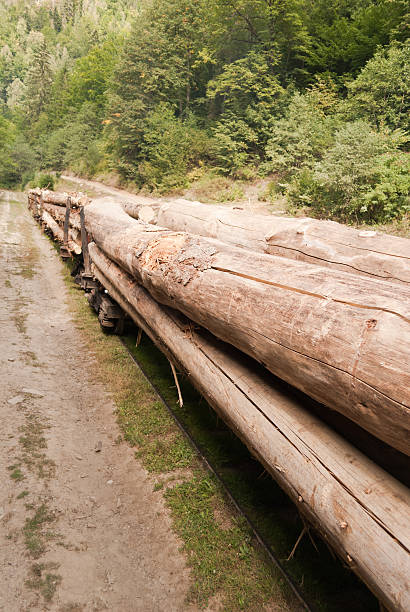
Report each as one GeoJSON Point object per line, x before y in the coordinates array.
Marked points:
{"type": "Point", "coordinates": [310, 95]}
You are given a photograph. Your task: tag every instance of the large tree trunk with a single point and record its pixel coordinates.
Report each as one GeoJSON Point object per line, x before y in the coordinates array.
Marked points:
{"type": "Point", "coordinates": [322, 242]}
{"type": "Point", "coordinates": [347, 497]}
{"type": "Point", "coordinates": [340, 338]}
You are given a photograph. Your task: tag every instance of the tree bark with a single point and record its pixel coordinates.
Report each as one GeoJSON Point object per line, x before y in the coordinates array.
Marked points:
{"type": "Point", "coordinates": [339, 338]}
{"type": "Point", "coordinates": [58, 214]}
{"type": "Point", "coordinates": [58, 233]}
{"type": "Point", "coordinates": [346, 496]}
{"type": "Point", "coordinates": [325, 243]}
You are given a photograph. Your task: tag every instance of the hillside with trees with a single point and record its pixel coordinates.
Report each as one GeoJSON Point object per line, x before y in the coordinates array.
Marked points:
{"type": "Point", "coordinates": [312, 96]}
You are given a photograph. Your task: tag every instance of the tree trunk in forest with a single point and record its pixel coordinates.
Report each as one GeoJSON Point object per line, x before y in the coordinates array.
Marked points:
{"type": "Point", "coordinates": [340, 338]}
{"type": "Point", "coordinates": [347, 497]}
{"type": "Point", "coordinates": [326, 243]}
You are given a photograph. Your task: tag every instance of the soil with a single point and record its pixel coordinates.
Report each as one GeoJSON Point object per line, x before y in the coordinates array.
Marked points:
{"type": "Point", "coordinates": [81, 528]}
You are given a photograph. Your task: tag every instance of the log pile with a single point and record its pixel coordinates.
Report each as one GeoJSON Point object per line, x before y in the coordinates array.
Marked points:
{"type": "Point", "coordinates": [59, 214]}
{"type": "Point", "coordinates": [240, 312]}
{"type": "Point", "coordinates": [326, 243]}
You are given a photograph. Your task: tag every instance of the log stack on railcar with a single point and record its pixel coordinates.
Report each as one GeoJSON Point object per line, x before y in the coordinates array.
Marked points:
{"type": "Point", "coordinates": [243, 302]}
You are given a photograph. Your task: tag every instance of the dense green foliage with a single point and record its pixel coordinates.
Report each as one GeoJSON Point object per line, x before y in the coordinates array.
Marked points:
{"type": "Point", "coordinates": [159, 92]}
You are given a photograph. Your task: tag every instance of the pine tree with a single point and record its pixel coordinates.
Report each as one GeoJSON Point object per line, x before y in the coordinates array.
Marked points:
{"type": "Point", "coordinates": [38, 79]}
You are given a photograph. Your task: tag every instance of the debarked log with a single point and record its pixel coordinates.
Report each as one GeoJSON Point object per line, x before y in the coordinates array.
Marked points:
{"type": "Point", "coordinates": [359, 509]}
{"type": "Point", "coordinates": [60, 198]}
{"type": "Point", "coordinates": [58, 233]}
{"type": "Point", "coordinates": [145, 211]}
{"type": "Point", "coordinates": [58, 214]}
{"type": "Point", "coordinates": [326, 243]}
{"type": "Point", "coordinates": [341, 339]}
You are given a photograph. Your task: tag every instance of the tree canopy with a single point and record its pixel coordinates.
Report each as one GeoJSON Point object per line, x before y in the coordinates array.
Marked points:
{"type": "Point", "coordinates": [159, 91]}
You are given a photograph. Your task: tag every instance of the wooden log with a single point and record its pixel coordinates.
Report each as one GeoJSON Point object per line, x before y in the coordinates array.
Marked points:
{"type": "Point", "coordinates": [144, 211]}
{"type": "Point", "coordinates": [58, 233]}
{"type": "Point", "coordinates": [326, 243]}
{"type": "Point", "coordinates": [347, 497]}
{"type": "Point", "coordinates": [58, 213]}
{"type": "Point", "coordinates": [139, 208]}
{"type": "Point", "coordinates": [60, 198]}
{"type": "Point", "coordinates": [340, 338]}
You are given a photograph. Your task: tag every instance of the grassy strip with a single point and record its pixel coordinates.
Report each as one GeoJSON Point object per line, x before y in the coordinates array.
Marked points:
{"type": "Point", "coordinates": [326, 582]}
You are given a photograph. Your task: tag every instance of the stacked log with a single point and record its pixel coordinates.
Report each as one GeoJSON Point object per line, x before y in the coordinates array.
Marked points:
{"type": "Point", "coordinates": [323, 307]}
{"type": "Point", "coordinates": [50, 208]}
{"type": "Point", "coordinates": [325, 243]}
{"type": "Point", "coordinates": [346, 496]}
{"type": "Point", "coordinates": [339, 338]}
{"type": "Point", "coordinates": [58, 233]}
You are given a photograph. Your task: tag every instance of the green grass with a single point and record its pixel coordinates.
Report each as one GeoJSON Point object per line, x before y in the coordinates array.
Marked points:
{"type": "Point", "coordinates": [23, 494]}
{"type": "Point", "coordinates": [42, 580]}
{"type": "Point", "coordinates": [222, 559]}
{"type": "Point", "coordinates": [34, 530]}
{"type": "Point", "coordinates": [16, 473]}
{"type": "Point", "coordinates": [33, 445]}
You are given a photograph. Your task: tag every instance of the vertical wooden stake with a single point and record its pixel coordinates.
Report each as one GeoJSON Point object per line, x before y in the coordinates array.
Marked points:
{"type": "Point", "coordinates": [67, 221]}
{"type": "Point", "coordinates": [84, 243]}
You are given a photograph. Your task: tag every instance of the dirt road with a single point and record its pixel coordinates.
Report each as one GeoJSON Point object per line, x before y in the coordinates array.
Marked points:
{"type": "Point", "coordinates": [97, 189]}
{"type": "Point", "coordinates": [80, 526]}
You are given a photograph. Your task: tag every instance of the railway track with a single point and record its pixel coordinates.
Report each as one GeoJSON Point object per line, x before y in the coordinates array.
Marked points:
{"type": "Point", "coordinates": [206, 461]}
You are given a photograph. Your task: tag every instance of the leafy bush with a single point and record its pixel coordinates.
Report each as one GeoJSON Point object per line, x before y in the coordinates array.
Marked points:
{"type": "Point", "coordinates": [233, 141]}
{"type": "Point", "coordinates": [43, 180]}
{"type": "Point", "coordinates": [54, 149]}
{"type": "Point", "coordinates": [381, 92]}
{"type": "Point", "coordinates": [17, 160]}
{"type": "Point", "coordinates": [82, 153]}
{"type": "Point", "coordinates": [251, 93]}
{"type": "Point", "coordinates": [363, 176]}
{"type": "Point", "coordinates": [300, 138]}
{"type": "Point", "coordinates": [170, 147]}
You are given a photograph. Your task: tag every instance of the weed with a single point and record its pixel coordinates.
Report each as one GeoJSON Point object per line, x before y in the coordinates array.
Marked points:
{"type": "Point", "coordinates": [34, 531]}
{"type": "Point", "coordinates": [43, 580]}
{"type": "Point", "coordinates": [221, 559]}
{"type": "Point", "coordinates": [16, 474]}
{"type": "Point", "coordinates": [22, 494]}
{"type": "Point", "coordinates": [33, 444]}
{"type": "Point", "coordinates": [19, 318]}
{"type": "Point", "coordinates": [7, 283]}
{"type": "Point", "coordinates": [30, 359]}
